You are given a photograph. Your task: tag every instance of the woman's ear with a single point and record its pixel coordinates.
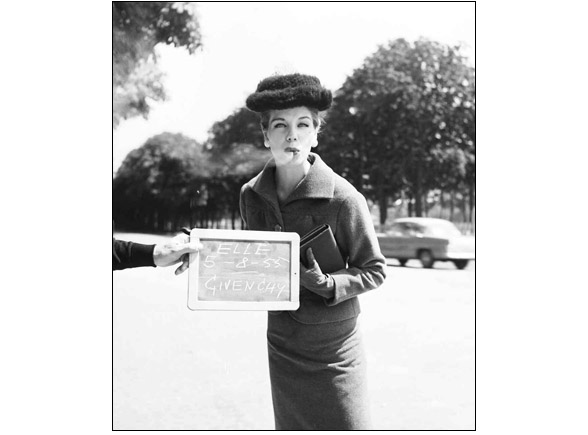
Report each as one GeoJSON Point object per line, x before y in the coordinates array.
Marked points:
{"type": "Point", "coordinates": [266, 139]}
{"type": "Point", "coordinates": [314, 141]}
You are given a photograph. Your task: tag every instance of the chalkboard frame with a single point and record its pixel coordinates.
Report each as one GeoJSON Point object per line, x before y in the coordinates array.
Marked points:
{"type": "Point", "coordinates": [203, 235]}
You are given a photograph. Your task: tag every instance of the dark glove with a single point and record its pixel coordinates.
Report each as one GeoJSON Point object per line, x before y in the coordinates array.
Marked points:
{"type": "Point", "coordinates": [314, 279]}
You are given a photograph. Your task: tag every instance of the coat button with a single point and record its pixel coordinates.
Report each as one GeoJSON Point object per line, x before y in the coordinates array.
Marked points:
{"type": "Point", "coordinates": [277, 228]}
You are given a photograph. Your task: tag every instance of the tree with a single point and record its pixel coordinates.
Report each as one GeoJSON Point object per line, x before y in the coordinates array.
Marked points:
{"type": "Point", "coordinates": [241, 127]}
{"type": "Point", "coordinates": [233, 168]}
{"type": "Point", "coordinates": [236, 152]}
{"type": "Point", "coordinates": [401, 122]}
{"type": "Point", "coordinates": [173, 181]}
{"type": "Point", "coordinates": [137, 27]}
{"type": "Point", "coordinates": [158, 184]}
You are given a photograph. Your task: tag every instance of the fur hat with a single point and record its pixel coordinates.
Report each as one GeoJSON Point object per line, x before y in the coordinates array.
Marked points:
{"type": "Point", "coordinates": [286, 91]}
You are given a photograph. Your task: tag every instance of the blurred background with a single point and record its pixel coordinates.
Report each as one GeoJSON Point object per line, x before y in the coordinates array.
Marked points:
{"type": "Point", "coordinates": [401, 130]}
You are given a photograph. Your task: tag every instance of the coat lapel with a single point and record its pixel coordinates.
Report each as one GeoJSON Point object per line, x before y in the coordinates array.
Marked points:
{"type": "Point", "coordinates": [318, 183]}
{"type": "Point", "coordinates": [265, 183]}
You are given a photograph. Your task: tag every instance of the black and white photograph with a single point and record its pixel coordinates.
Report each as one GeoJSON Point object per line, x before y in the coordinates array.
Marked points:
{"type": "Point", "coordinates": [320, 216]}
{"type": "Point", "coordinates": [294, 215]}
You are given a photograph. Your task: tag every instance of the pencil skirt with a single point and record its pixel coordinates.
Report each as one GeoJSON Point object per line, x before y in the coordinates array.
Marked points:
{"type": "Point", "coordinates": [317, 374]}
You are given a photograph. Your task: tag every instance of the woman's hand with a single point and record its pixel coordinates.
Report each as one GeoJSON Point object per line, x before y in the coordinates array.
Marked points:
{"type": "Point", "coordinates": [176, 250]}
{"type": "Point", "coordinates": [314, 279]}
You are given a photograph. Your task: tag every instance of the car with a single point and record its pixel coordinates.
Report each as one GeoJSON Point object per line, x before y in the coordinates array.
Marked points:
{"type": "Point", "coordinates": [428, 240]}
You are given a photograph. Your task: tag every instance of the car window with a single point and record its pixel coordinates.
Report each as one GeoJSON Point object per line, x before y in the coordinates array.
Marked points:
{"type": "Point", "coordinates": [396, 230]}
{"type": "Point", "coordinates": [443, 229]}
{"type": "Point", "coordinates": [409, 229]}
{"type": "Point", "coordinates": [418, 230]}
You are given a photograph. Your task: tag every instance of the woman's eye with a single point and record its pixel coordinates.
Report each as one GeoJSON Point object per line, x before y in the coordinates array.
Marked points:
{"type": "Point", "coordinates": [279, 124]}
{"type": "Point", "coordinates": [302, 125]}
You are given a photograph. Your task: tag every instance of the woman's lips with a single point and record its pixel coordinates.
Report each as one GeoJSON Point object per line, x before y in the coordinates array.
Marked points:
{"type": "Point", "coordinates": [292, 150]}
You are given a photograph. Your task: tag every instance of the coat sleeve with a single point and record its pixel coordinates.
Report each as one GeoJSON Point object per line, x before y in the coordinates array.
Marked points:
{"type": "Point", "coordinates": [128, 254]}
{"type": "Point", "coordinates": [356, 236]}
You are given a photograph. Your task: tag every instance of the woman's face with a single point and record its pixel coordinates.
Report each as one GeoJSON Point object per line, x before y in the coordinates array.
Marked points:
{"type": "Point", "coordinates": [291, 135]}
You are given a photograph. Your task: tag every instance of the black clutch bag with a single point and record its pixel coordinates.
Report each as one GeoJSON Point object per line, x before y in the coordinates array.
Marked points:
{"type": "Point", "coordinates": [324, 247]}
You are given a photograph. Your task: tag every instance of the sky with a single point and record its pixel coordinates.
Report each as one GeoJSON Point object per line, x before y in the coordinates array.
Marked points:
{"type": "Point", "coordinates": [246, 42]}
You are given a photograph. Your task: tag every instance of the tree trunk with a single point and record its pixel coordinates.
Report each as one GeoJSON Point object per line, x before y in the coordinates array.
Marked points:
{"type": "Point", "coordinates": [418, 195]}
{"type": "Point", "coordinates": [410, 206]}
{"type": "Point", "coordinates": [383, 203]}
{"type": "Point", "coordinates": [191, 213]}
{"type": "Point", "coordinates": [451, 205]}
{"type": "Point", "coordinates": [418, 203]}
{"type": "Point", "coordinates": [441, 205]}
{"type": "Point", "coordinates": [463, 207]}
{"type": "Point", "coordinates": [426, 206]}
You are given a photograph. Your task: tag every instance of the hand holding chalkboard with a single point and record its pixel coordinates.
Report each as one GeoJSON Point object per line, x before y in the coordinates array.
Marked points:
{"type": "Point", "coordinates": [244, 270]}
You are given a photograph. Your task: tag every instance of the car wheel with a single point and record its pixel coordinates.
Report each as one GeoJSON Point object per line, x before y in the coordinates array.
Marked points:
{"type": "Point", "coordinates": [426, 258]}
{"type": "Point", "coordinates": [402, 262]}
{"type": "Point", "coordinates": [461, 264]}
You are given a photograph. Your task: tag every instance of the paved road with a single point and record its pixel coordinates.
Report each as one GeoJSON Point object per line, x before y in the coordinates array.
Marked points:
{"type": "Point", "coordinates": [179, 369]}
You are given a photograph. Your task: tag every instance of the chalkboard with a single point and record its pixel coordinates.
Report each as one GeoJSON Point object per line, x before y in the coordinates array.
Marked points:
{"type": "Point", "coordinates": [244, 270]}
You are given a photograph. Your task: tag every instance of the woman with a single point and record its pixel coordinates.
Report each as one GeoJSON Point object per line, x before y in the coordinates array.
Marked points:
{"type": "Point", "coordinates": [316, 360]}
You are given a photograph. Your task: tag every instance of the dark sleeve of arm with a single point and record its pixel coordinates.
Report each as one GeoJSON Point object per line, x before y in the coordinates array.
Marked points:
{"type": "Point", "coordinates": [357, 236]}
{"type": "Point", "coordinates": [128, 254]}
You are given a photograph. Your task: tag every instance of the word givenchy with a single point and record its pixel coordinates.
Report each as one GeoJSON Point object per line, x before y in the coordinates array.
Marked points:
{"type": "Point", "coordinates": [244, 285]}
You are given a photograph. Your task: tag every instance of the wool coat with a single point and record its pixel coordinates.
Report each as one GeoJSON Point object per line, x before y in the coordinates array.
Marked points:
{"type": "Point", "coordinates": [317, 366]}
{"type": "Point", "coordinates": [323, 197]}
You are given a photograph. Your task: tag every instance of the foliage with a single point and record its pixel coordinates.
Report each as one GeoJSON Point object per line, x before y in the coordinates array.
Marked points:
{"type": "Point", "coordinates": [172, 181]}
{"type": "Point", "coordinates": [236, 153]}
{"type": "Point", "coordinates": [137, 27]}
{"type": "Point", "coordinates": [242, 160]}
{"type": "Point", "coordinates": [403, 123]}
{"type": "Point", "coordinates": [159, 180]}
{"type": "Point", "coordinates": [233, 168]}
{"type": "Point", "coordinates": [241, 127]}
{"type": "Point", "coordinates": [402, 130]}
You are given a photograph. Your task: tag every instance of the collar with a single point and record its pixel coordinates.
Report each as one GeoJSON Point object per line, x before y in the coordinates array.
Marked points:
{"type": "Point", "coordinates": [318, 183]}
